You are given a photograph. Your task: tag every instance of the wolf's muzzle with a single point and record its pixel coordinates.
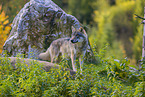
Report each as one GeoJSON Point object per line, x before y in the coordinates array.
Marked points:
{"type": "Point", "coordinates": [74, 41]}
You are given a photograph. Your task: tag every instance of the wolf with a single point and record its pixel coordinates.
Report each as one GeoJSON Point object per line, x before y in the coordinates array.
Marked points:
{"type": "Point", "coordinates": [73, 47]}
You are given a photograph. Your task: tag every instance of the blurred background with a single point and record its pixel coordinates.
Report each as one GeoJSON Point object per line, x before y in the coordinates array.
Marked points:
{"type": "Point", "coordinates": [110, 23]}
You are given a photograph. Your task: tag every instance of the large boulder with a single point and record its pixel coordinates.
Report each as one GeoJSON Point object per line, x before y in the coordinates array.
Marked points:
{"type": "Point", "coordinates": [46, 65]}
{"type": "Point", "coordinates": [37, 24]}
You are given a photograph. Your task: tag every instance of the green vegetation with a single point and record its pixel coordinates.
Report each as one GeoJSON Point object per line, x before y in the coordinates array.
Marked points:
{"type": "Point", "coordinates": [118, 27]}
{"type": "Point", "coordinates": [111, 77]}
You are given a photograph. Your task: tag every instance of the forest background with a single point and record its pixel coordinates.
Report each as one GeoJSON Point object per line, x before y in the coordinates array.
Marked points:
{"type": "Point", "coordinates": [109, 23]}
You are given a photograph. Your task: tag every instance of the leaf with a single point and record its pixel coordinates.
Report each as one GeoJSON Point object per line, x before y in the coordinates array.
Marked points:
{"type": "Point", "coordinates": [2, 16]}
{"type": "Point", "coordinates": [7, 29]}
{"type": "Point", "coordinates": [5, 22]}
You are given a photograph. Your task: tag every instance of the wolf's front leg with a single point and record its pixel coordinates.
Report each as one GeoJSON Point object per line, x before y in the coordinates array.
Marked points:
{"type": "Point", "coordinates": [73, 59]}
{"type": "Point", "coordinates": [81, 60]}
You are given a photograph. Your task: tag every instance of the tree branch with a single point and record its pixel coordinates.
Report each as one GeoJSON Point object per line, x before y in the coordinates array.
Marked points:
{"type": "Point", "coordinates": [137, 16]}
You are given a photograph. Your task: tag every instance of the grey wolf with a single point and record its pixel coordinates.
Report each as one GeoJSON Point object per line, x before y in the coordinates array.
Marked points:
{"type": "Point", "coordinates": [74, 47]}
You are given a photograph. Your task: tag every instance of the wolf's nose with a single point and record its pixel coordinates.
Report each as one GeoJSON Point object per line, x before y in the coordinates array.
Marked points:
{"type": "Point", "coordinates": [72, 41]}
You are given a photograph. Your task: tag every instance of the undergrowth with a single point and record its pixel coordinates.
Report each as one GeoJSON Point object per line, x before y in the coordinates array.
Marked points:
{"type": "Point", "coordinates": [109, 78]}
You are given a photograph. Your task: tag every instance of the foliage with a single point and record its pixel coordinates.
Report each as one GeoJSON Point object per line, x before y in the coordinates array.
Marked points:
{"type": "Point", "coordinates": [137, 42]}
{"type": "Point", "coordinates": [110, 77]}
{"type": "Point", "coordinates": [82, 9]}
{"type": "Point", "coordinates": [12, 7]}
{"type": "Point", "coordinates": [4, 28]}
{"type": "Point", "coordinates": [115, 26]}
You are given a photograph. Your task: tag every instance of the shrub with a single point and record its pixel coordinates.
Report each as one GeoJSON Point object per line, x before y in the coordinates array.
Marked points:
{"type": "Point", "coordinates": [111, 77]}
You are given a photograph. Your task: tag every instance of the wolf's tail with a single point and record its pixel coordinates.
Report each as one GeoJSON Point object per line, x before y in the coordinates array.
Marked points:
{"type": "Point", "coordinates": [45, 56]}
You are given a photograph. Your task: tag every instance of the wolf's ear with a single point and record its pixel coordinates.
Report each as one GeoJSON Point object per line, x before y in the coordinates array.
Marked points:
{"type": "Point", "coordinates": [73, 29]}
{"type": "Point", "coordinates": [81, 29]}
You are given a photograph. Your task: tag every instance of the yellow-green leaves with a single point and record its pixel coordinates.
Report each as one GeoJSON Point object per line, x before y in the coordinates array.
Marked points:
{"type": "Point", "coordinates": [4, 28]}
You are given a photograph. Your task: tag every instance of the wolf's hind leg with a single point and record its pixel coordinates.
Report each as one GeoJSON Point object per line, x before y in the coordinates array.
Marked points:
{"type": "Point", "coordinates": [54, 56]}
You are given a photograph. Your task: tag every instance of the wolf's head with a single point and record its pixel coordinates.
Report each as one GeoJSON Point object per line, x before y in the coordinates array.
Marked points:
{"type": "Point", "coordinates": [78, 35]}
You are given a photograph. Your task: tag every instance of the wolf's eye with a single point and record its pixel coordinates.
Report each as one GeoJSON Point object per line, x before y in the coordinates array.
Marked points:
{"type": "Point", "coordinates": [77, 35]}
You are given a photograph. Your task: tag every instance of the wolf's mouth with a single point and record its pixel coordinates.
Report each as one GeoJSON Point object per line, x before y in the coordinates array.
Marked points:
{"type": "Point", "coordinates": [73, 41]}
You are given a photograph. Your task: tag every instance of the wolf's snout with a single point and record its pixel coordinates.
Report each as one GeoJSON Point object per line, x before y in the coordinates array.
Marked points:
{"type": "Point", "coordinates": [74, 41]}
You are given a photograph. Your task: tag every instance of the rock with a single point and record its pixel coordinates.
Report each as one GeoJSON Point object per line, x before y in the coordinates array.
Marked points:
{"type": "Point", "coordinates": [47, 65]}
{"type": "Point", "coordinates": [37, 24]}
